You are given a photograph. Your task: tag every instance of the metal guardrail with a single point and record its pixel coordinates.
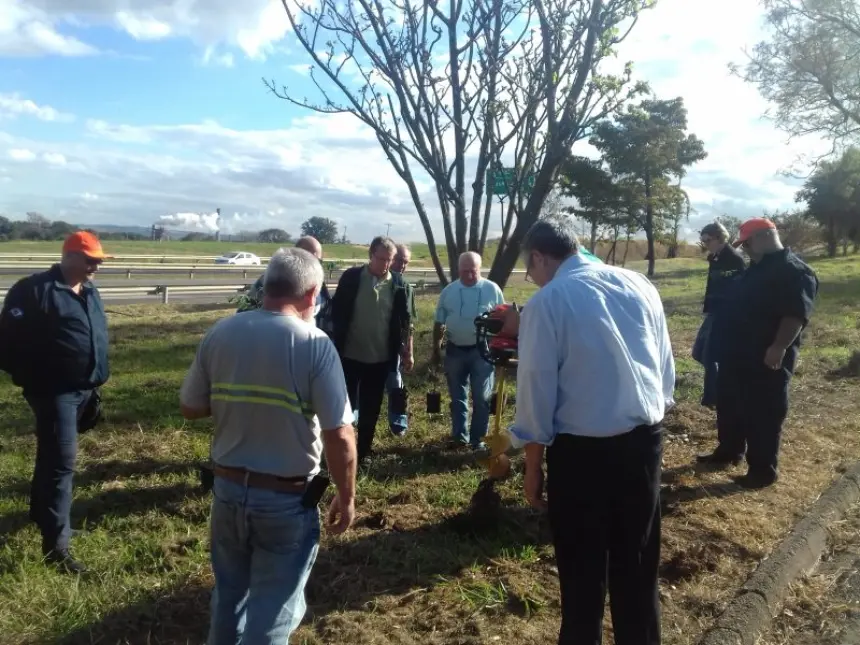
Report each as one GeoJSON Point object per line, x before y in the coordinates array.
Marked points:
{"type": "Point", "coordinates": [170, 269]}
{"type": "Point", "coordinates": [164, 291]}
{"type": "Point", "coordinates": [149, 258]}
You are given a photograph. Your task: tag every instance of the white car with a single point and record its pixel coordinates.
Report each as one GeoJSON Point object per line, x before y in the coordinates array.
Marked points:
{"type": "Point", "coordinates": [239, 258]}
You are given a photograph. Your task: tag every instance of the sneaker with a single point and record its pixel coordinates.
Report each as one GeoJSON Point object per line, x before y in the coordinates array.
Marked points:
{"type": "Point", "coordinates": [64, 562]}
{"type": "Point", "coordinates": [456, 444]}
{"type": "Point", "coordinates": [482, 450]}
{"type": "Point", "coordinates": [397, 430]}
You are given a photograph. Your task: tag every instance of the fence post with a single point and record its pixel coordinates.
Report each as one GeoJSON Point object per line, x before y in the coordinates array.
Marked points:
{"type": "Point", "coordinates": [164, 295]}
{"type": "Point", "coordinates": [190, 273]}
{"type": "Point", "coordinates": [128, 273]}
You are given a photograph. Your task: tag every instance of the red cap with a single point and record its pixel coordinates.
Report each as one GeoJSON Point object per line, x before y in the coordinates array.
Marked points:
{"type": "Point", "coordinates": [86, 243]}
{"type": "Point", "coordinates": [752, 226]}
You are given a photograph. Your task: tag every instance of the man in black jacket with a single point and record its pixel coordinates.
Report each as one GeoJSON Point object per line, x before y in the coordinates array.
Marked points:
{"type": "Point", "coordinates": [756, 340]}
{"type": "Point", "coordinates": [371, 325]}
{"type": "Point", "coordinates": [322, 312]}
{"type": "Point", "coordinates": [725, 264]}
{"type": "Point", "coordinates": [54, 345]}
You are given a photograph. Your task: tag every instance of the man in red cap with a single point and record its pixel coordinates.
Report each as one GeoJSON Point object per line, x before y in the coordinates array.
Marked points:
{"type": "Point", "coordinates": [54, 345]}
{"type": "Point", "coordinates": [757, 336]}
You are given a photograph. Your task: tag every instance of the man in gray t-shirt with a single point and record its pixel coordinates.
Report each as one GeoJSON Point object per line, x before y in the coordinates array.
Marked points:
{"type": "Point", "coordinates": [274, 386]}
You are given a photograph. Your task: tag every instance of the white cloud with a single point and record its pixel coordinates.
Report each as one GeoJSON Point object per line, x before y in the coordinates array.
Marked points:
{"type": "Point", "coordinates": [13, 105]}
{"type": "Point", "coordinates": [21, 154]}
{"type": "Point", "coordinates": [34, 27]}
{"type": "Point", "coordinates": [28, 30]}
{"type": "Point", "coordinates": [54, 158]}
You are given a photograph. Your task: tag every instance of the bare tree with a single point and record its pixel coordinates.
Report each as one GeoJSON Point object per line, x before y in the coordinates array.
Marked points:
{"type": "Point", "coordinates": [809, 67]}
{"type": "Point", "coordinates": [468, 87]}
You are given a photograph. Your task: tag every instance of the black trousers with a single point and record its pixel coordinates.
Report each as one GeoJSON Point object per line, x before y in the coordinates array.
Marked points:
{"type": "Point", "coordinates": [56, 452]}
{"type": "Point", "coordinates": [365, 385]}
{"type": "Point", "coordinates": [752, 403]}
{"type": "Point", "coordinates": [604, 513]}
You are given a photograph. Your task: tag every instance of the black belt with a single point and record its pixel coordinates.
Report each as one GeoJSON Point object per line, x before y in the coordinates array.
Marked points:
{"type": "Point", "coordinates": [261, 480]}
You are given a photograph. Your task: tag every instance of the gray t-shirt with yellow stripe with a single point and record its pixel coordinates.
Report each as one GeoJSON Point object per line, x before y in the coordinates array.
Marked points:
{"type": "Point", "coordinates": [272, 382]}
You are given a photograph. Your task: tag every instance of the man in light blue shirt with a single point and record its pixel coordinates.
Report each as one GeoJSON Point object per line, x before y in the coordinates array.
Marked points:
{"type": "Point", "coordinates": [459, 304]}
{"type": "Point", "coordinates": [594, 380]}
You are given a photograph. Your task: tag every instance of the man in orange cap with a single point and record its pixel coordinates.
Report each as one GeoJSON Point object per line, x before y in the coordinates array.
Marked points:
{"type": "Point", "coordinates": [757, 339]}
{"type": "Point", "coordinates": [54, 345]}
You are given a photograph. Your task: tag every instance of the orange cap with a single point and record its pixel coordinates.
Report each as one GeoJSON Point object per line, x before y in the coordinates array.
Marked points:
{"type": "Point", "coordinates": [751, 226]}
{"type": "Point", "coordinates": [86, 243]}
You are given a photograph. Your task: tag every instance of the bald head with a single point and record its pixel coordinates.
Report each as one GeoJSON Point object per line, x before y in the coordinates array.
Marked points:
{"type": "Point", "coordinates": [311, 245]}
{"type": "Point", "coordinates": [469, 268]}
{"type": "Point", "coordinates": [401, 259]}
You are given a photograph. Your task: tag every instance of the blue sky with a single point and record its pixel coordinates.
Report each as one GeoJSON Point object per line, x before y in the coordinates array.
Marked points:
{"type": "Point", "coordinates": [125, 111]}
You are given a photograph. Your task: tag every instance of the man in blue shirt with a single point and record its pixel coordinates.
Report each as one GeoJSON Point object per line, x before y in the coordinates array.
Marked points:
{"type": "Point", "coordinates": [756, 340]}
{"type": "Point", "coordinates": [459, 304]}
{"type": "Point", "coordinates": [54, 345]}
{"type": "Point", "coordinates": [594, 380]}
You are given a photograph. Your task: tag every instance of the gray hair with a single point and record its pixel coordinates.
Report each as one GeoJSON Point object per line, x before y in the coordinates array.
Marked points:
{"type": "Point", "coordinates": [554, 239]}
{"type": "Point", "coordinates": [403, 248]}
{"type": "Point", "coordinates": [715, 230]}
{"type": "Point", "coordinates": [382, 241]}
{"type": "Point", "coordinates": [291, 274]}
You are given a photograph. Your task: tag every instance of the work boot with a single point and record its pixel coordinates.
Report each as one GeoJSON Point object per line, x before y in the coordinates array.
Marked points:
{"type": "Point", "coordinates": [64, 562]}
{"type": "Point", "coordinates": [719, 459]}
{"type": "Point", "coordinates": [757, 479]}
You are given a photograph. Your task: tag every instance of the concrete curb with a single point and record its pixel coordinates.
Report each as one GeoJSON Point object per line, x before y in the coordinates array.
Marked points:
{"type": "Point", "coordinates": [762, 595]}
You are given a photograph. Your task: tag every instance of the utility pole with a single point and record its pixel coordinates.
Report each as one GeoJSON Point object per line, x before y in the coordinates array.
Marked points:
{"type": "Point", "coordinates": [387, 229]}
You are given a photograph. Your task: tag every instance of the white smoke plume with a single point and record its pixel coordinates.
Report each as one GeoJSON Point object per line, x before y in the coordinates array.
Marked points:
{"type": "Point", "coordinates": [192, 222]}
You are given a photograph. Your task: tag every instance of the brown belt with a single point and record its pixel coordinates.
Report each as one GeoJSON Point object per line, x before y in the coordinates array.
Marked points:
{"type": "Point", "coordinates": [261, 480]}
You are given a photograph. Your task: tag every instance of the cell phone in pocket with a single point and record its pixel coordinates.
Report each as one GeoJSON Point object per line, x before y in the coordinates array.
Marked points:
{"type": "Point", "coordinates": [315, 490]}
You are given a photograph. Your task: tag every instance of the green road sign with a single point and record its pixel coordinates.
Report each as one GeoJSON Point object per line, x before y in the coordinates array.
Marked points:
{"type": "Point", "coordinates": [504, 181]}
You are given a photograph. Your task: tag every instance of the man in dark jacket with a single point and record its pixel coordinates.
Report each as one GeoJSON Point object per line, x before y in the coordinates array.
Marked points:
{"type": "Point", "coordinates": [725, 264]}
{"type": "Point", "coordinates": [371, 325]}
{"type": "Point", "coordinates": [54, 345]}
{"type": "Point", "coordinates": [254, 299]}
{"type": "Point", "coordinates": [756, 338]}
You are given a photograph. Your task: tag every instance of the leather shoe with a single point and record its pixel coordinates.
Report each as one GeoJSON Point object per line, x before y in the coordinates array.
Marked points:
{"type": "Point", "coordinates": [718, 458]}
{"type": "Point", "coordinates": [755, 480]}
{"type": "Point", "coordinates": [64, 562]}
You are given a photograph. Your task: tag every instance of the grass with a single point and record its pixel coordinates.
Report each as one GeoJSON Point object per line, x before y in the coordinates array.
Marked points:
{"type": "Point", "coordinates": [413, 570]}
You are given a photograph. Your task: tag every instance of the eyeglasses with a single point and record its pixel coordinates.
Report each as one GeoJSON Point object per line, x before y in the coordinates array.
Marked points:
{"type": "Point", "coordinates": [93, 262]}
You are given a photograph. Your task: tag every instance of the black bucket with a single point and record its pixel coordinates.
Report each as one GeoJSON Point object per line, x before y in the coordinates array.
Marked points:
{"type": "Point", "coordinates": [434, 402]}
{"type": "Point", "coordinates": [399, 399]}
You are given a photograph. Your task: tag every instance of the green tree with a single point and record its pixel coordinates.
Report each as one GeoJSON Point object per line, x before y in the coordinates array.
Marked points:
{"type": "Point", "coordinates": [832, 196]}
{"type": "Point", "coordinates": [648, 150]}
{"type": "Point", "coordinates": [274, 236]}
{"type": "Point", "coordinates": [322, 228]}
{"type": "Point", "coordinates": [511, 84]}
{"type": "Point", "coordinates": [808, 68]}
{"type": "Point", "coordinates": [598, 198]}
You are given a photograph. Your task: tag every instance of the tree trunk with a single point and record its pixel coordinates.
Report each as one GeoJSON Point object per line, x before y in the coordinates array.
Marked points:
{"type": "Point", "coordinates": [649, 226]}
{"type": "Point", "coordinates": [593, 241]}
{"type": "Point", "coordinates": [626, 249]}
{"type": "Point", "coordinates": [831, 237]}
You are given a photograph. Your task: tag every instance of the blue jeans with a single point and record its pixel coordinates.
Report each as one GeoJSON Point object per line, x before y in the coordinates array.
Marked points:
{"type": "Point", "coordinates": [264, 544]}
{"type": "Point", "coordinates": [397, 422]}
{"type": "Point", "coordinates": [465, 367]}
{"type": "Point", "coordinates": [56, 452]}
{"type": "Point", "coordinates": [702, 354]}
